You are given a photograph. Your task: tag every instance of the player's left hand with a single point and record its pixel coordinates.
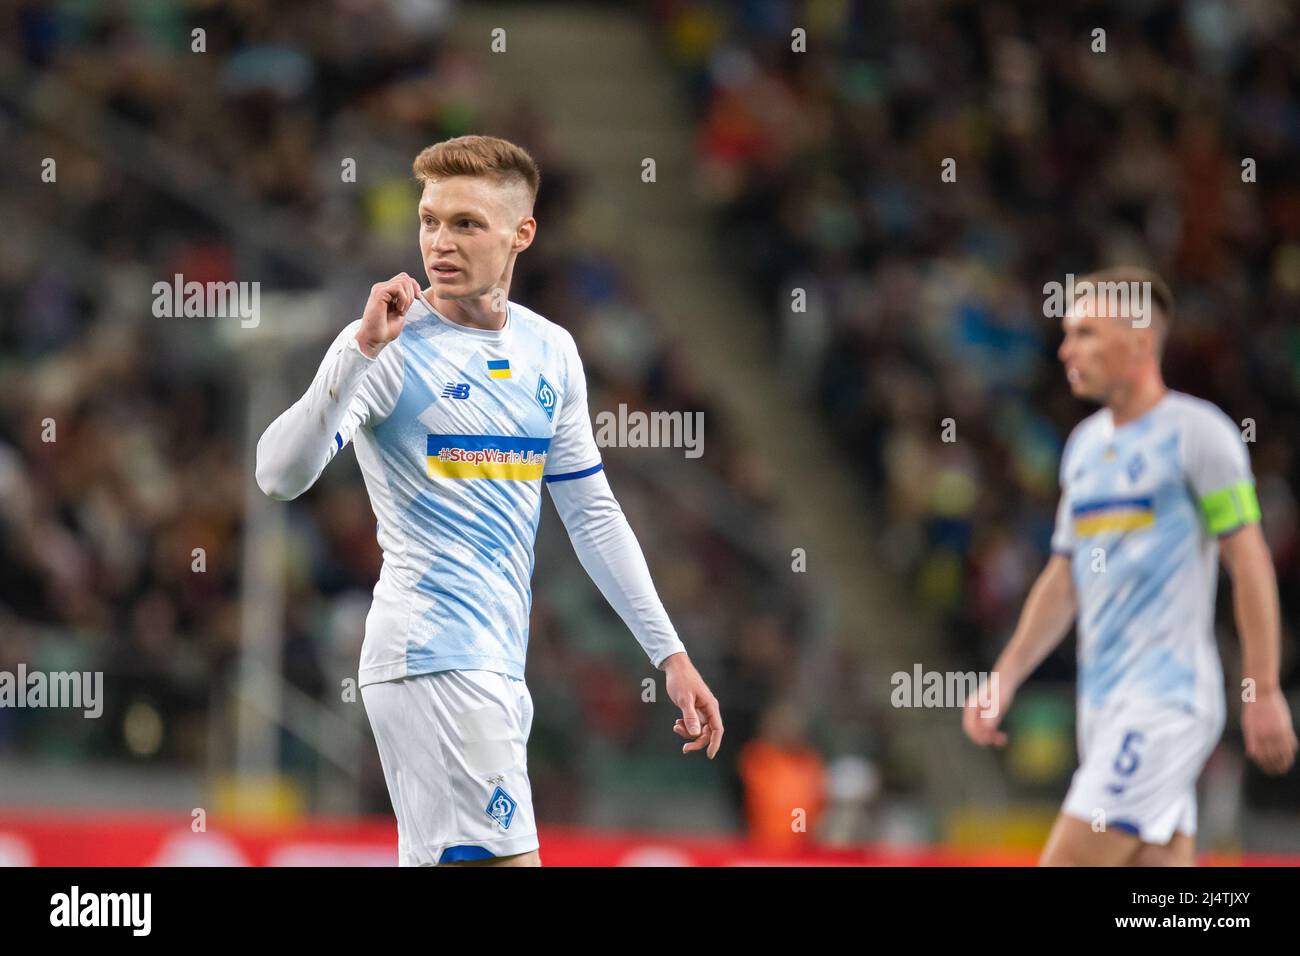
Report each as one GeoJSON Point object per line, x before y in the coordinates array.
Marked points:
{"type": "Point", "coordinates": [1270, 738]}
{"type": "Point", "coordinates": [701, 720]}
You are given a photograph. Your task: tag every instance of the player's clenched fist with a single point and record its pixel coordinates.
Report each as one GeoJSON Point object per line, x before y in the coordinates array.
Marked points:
{"type": "Point", "coordinates": [385, 312]}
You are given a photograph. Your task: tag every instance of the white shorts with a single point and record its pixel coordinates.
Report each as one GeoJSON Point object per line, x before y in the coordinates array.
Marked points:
{"type": "Point", "coordinates": [454, 750]}
{"type": "Point", "coordinates": [1138, 766]}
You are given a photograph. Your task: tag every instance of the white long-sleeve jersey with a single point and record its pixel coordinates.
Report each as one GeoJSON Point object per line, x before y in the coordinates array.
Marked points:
{"type": "Point", "coordinates": [456, 429]}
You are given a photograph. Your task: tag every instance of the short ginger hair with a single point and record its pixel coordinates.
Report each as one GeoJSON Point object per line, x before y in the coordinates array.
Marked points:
{"type": "Point", "coordinates": [490, 156]}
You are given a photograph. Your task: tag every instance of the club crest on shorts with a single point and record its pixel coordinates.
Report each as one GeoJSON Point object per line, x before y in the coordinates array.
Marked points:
{"type": "Point", "coordinates": [501, 808]}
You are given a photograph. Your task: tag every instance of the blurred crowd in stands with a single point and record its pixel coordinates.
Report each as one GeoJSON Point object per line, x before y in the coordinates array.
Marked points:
{"type": "Point", "coordinates": [150, 456]}
{"type": "Point", "coordinates": [1168, 140]}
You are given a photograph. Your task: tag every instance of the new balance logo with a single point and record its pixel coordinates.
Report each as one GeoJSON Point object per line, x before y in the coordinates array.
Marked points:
{"type": "Point", "coordinates": [458, 390]}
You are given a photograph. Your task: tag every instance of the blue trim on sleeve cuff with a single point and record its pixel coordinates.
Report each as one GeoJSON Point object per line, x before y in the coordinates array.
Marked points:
{"type": "Point", "coordinates": [577, 474]}
{"type": "Point", "coordinates": [458, 854]}
{"type": "Point", "coordinates": [338, 438]}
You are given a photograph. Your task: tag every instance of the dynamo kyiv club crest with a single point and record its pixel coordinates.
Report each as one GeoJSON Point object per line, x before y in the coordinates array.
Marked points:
{"type": "Point", "coordinates": [545, 396]}
{"type": "Point", "coordinates": [501, 807]}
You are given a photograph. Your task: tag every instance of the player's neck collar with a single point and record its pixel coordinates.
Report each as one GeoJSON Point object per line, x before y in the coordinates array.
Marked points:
{"type": "Point", "coordinates": [1143, 417]}
{"type": "Point", "coordinates": [488, 335]}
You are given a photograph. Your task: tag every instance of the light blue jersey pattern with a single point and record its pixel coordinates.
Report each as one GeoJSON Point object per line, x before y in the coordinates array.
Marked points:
{"type": "Point", "coordinates": [1141, 510]}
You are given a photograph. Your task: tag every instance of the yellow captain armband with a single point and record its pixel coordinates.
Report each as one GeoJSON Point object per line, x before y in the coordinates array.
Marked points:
{"type": "Point", "coordinates": [1229, 508]}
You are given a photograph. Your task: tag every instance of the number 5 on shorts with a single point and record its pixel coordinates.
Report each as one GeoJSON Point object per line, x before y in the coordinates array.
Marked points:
{"type": "Point", "coordinates": [1127, 759]}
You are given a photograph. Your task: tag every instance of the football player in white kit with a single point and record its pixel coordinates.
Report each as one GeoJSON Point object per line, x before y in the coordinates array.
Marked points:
{"type": "Point", "coordinates": [1156, 487]}
{"type": "Point", "coordinates": [461, 405]}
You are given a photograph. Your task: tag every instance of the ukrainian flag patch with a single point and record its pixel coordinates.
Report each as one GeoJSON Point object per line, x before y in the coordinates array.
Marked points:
{"type": "Point", "coordinates": [498, 368]}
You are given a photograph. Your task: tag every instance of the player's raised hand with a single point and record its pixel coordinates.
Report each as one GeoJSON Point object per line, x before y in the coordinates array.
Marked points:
{"type": "Point", "coordinates": [701, 719]}
{"type": "Point", "coordinates": [980, 719]}
{"type": "Point", "coordinates": [385, 312]}
{"type": "Point", "coordinates": [1270, 738]}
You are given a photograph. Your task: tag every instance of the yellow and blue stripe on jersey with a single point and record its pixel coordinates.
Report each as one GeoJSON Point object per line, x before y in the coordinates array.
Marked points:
{"type": "Point", "coordinates": [1112, 514]}
{"type": "Point", "coordinates": [503, 457]}
{"type": "Point", "coordinates": [498, 368]}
